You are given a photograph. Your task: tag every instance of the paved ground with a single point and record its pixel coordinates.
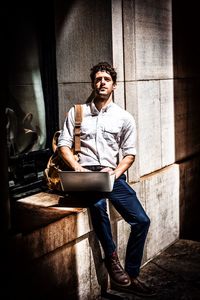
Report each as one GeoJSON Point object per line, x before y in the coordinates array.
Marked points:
{"type": "Point", "coordinates": [174, 274]}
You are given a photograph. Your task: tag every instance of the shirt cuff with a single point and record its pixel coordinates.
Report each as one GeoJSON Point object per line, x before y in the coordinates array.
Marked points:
{"type": "Point", "coordinates": [130, 151]}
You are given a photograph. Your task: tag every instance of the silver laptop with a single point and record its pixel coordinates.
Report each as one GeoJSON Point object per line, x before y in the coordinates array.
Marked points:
{"type": "Point", "coordinates": [86, 181]}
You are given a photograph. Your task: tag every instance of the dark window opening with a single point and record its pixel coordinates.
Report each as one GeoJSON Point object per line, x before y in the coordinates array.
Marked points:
{"type": "Point", "coordinates": [32, 101]}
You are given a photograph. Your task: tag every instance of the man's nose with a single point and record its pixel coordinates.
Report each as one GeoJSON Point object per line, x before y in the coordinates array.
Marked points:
{"type": "Point", "coordinates": [103, 81]}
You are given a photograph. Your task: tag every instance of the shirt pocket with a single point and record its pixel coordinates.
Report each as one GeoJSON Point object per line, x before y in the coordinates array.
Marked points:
{"type": "Point", "coordinates": [111, 135]}
{"type": "Point", "coordinates": [88, 130]}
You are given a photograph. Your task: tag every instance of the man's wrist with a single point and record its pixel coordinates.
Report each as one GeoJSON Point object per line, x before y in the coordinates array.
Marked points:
{"type": "Point", "coordinates": [117, 173]}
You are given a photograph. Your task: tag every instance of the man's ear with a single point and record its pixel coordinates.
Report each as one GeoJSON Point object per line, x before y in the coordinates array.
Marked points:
{"type": "Point", "coordinates": [114, 86]}
{"type": "Point", "coordinates": [92, 85]}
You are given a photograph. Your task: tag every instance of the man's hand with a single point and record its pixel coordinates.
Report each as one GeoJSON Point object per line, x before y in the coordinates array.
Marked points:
{"type": "Point", "coordinates": [123, 166]}
{"type": "Point", "coordinates": [117, 172]}
{"type": "Point", "coordinates": [107, 169]}
{"type": "Point", "coordinates": [79, 168]}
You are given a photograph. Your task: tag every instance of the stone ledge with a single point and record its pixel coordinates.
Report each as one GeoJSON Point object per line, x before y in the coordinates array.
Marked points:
{"type": "Point", "coordinates": [61, 252]}
{"type": "Point", "coordinates": [36, 211]}
{"type": "Point", "coordinates": [49, 199]}
{"type": "Point", "coordinates": [46, 221]}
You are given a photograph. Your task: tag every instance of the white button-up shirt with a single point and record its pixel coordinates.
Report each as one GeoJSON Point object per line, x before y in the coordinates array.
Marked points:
{"type": "Point", "coordinates": [103, 134]}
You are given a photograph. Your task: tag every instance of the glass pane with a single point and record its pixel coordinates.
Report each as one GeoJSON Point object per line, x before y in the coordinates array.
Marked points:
{"type": "Point", "coordinates": [25, 109]}
{"type": "Point", "coordinates": [26, 126]}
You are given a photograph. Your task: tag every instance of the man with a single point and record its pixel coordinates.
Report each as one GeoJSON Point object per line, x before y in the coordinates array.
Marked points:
{"type": "Point", "coordinates": [106, 128]}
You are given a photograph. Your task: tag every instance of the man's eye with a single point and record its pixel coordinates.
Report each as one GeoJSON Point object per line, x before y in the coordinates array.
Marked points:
{"type": "Point", "coordinates": [107, 79]}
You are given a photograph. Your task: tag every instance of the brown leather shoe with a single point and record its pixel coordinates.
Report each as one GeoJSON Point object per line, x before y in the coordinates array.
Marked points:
{"type": "Point", "coordinates": [116, 271]}
{"type": "Point", "coordinates": [137, 287]}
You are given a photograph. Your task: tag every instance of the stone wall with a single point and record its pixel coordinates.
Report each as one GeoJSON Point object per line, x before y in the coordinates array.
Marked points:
{"type": "Point", "coordinates": [146, 90]}
{"type": "Point", "coordinates": [83, 38]}
{"type": "Point", "coordinates": [160, 88]}
{"type": "Point", "coordinates": [56, 255]}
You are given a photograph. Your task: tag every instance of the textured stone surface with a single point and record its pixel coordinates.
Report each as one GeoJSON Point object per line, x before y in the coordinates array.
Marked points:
{"type": "Point", "coordinates": [153, 38]}
{"type": "Point", "coordinates": [149, 127]}
{"type": "Point", "coordinates": [70, 94]}
{"type": "Point", "coordinates": [72, 271]}
{"type": "Point", "coordinates": [119, 95]}
{"type": "Point", "coordinates": [160, 192]}
{"type": "Point", "coordinates": [129, 40]}
{"type": "Point", "coordinates": [147, 40]}
{"type": "Point", "coordinates": [167, 122]}
{"type": "Point", "coordinates": [117, 39]}
{"type": "Point", "coordinates": [155, 118]}
{"type": "Point", "coordinates": [132, 107]}
{"type": "Point", "coordinates": [81, 39]}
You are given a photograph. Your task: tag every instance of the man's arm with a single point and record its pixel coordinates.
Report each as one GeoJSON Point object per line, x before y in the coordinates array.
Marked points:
{"type": "Point", "coordinates": [122, 167]}
{"type": "Point", "coordinates": [68, 157]}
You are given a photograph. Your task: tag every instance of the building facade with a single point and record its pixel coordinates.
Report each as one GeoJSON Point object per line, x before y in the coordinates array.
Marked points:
{"type": "Point", "coordinates": [47, 61]}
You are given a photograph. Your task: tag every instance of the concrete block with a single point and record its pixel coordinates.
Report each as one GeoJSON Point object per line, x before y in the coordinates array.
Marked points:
{"type": "Point", "coordinates": [70, 94]}
{"type": "Point", "coordinates": [84, 269]}
{"type": "Point", "coordinates": [129, 40]}
{"type": "Point", "coordinates": [48, 238]}
{"type": "Point", "coordinates": [123, 232]}
{"type": "Point", "coordinates": [65, 273]}
{"type": "Point", "coordinates": [131, 101]}
{"type": "Point", "coordinates": [81, 41]}
{"type": "Point", "coordinates": [39, 210]}
{"type": "Point", "coordinates": [161, 192]}
{"type": "Point", "coordinates": [119, 95]}
{"type": "Point", "coordinates": [149, 127]}
{"type": "Point", "coordinates": [152, 103]}
{"type": "Point", "coordinates": [98, 272]}
{"type": "Point", "coordinates": [167, 122]}
{"type": "Point", "coordinates": [153, 39]}
{"type": "Point", "coordinates": [61, 259]}
{"type": "Point", "coordinates": [117, 39]}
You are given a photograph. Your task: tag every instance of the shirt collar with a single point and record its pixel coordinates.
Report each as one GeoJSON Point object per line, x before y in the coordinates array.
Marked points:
{"type": "Point", "coordinates": [95, 111]}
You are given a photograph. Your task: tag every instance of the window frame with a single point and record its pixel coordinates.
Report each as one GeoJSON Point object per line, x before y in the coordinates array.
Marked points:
{"type": "Point", "coordinates": [45, 32]}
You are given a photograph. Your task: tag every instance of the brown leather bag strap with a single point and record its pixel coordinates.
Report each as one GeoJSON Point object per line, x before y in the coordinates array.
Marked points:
{"type": "Point", "coordinates": [77, 128]}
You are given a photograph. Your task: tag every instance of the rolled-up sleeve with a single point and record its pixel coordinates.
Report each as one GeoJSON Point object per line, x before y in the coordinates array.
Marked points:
{"type": "Point", "coordinates": [66, 137]}
{"type": "Point", "coordinates": [129, 138]}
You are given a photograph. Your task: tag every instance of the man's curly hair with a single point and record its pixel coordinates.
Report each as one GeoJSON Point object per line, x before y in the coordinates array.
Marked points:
{"type": "Point", "coordinates": [103, 66]}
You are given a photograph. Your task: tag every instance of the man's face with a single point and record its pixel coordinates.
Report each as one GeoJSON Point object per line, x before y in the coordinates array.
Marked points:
{"type": "Point", "coordinates": [103, 84]}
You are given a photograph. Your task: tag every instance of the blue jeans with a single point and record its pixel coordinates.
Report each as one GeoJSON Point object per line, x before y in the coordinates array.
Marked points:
{"type": "Point", "coordinates": [125, 201]}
